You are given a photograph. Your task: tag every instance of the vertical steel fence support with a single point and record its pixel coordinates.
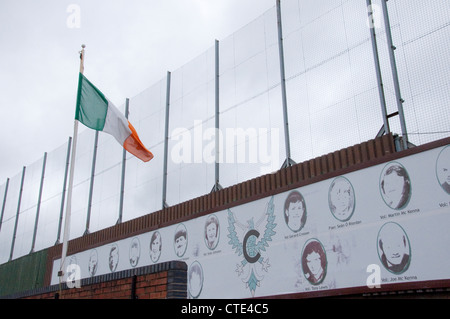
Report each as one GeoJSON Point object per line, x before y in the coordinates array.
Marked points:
{"type": "Point", "coordinates": [217, 185]}
{"type": "Point", "coordinates": [124, 160]}
{"type": "Point", "coordinates": [166, 144]}
{"type": "Point", "coordinates": [288, 161]}
{"type": "Point", "coordinates": [391, 49]}
{"type": "Point", "coordinates": [4, 203]}
{"type": "Point", "coordinates": [64, 189]}
{"type": "Point", "coordinates": [41, 186]}
{"type": "Point", "coordinates": [17, 214]}
{"type": "Point", "coordinates": [385, 129]}
{"type": "Point", "coordinates": [91, 187]}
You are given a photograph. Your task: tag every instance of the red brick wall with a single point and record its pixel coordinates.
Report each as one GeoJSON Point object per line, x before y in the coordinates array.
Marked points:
{"type": "Point", "coordinates": [151, 286]}
{"type": "Point", "coordinates": [161, 281]}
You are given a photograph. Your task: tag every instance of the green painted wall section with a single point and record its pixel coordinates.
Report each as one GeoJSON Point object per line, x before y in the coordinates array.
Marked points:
{"type": "Point", "coordinates": [23, 274]}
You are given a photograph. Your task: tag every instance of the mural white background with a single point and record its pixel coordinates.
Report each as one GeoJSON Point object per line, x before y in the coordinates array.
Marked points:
{"type": "Point", "coordinates": [407, 239]}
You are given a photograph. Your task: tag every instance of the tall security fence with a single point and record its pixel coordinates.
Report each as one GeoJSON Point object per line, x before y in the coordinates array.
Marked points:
{"type": "Point", "coordinates": [304, 79]}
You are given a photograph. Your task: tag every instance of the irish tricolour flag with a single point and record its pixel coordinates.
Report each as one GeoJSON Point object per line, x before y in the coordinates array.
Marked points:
{"type": "Point", "coordinates": [96, 112]}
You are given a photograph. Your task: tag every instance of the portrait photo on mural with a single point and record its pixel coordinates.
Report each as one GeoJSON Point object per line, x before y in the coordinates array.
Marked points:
{"type": "Point", "coordinates": [394, 249]}
{"type": "Point", "coordinates": [134, 252]}
{"type": "Point", "coordinates": [314, 261]}
{"type": "Point", "coordinates": [113, 260]}
{"type": "Point", "coordinates": [93, 262]}
{"type": "Point", "coordinates": [180, 240]}
{"type": "Point", "coordinates": [341, 198]}
{"type": "Point", "coordinates": [395, 185]}
{"type": "Point", "coordinates": [443, 169]}
{"type": "Point", "coordinates": [155, 246]}
{"type": "Point", "coordinates": [295, 211]}
{"type": "Point", "coordinates": [195, 279]}
{"type": "Point", "coordinates": [212, 231]}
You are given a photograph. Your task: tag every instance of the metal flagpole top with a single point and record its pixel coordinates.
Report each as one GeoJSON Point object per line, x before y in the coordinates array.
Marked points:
{"type": "Point", "coordinates": [82, 58]}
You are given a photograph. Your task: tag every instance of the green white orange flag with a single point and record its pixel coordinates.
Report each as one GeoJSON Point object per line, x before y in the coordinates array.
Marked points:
{"type": "Point", "coordinates": [96, 112]}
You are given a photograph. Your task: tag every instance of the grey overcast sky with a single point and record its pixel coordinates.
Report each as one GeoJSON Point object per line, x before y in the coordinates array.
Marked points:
{"type": "Point", "coordinates": [130, 45]}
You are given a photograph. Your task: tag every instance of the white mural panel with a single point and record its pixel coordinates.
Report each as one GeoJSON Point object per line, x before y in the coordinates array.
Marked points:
{"type": "Point", "coordinates": [377, 226]}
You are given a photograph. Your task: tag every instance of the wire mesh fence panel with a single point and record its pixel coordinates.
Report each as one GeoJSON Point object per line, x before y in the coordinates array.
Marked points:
{"type": "Point", "coordinates": [9, 217]}
{"type": "Point", "coordinates": [6, 239]}
{"type": "Point", "coordinates": [331, 80]}
{"type": "Point", "coordinates": [191, 110]}
{"type": "Point", "coordinates": [421, 36]}
{"type": "Point", "coordinates": [251, 114]}
{"type": "Point", "coordinates": [28, 209]}
{"type": "Point", "coordinates": [81, 182]}
{"type": "Point", "coordinates": [143, 181]}
{"type": "Point", "coordinates": [106, 187]}
{"type": "Point", "coordinates": [52, 195]}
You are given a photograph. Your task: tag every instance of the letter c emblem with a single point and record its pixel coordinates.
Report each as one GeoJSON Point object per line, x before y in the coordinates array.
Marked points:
{"type": "Point", "coordinates": [254, 259]}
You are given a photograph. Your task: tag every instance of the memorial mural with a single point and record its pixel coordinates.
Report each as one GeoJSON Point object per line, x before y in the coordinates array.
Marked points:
{"type": "Point", "coordinates": [321, 236]}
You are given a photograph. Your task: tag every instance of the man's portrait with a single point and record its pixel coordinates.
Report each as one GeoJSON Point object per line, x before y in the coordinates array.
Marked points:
{"type": "Point", "coordinates": [314, 261]}
{"type": "Point", "coordinates": [113, 257]}
{"type": "Point", "coordinates": [93, 262]}
{"type": "Point", "coordinates": [295, 211]}
{"type": "Point", "coordinates": [195, 279]}
{"type": "Point", "coordinates": [135, 252]}
{"type": "Point", "coordinates": [341, 198]}
{"type": "Point", "coordinates": [443, 169]}
{"type": "Point", "coordinates": [180, 240]}
{"type": "Point", "coordinates": [395, 186]}
{"type": "Point", "coordinates": [393, 248]}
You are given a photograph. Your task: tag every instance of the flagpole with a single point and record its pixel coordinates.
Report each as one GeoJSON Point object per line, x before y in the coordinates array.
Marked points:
{"type": "Point", "coordinates": [70, 187]}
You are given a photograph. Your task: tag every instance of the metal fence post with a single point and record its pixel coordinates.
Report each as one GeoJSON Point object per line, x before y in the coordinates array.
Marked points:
{"type": "Point", "coordinates": [17, 214]}
{"type": "Point", "coordinates": [385, 129]}
{"type": "Point", "coordinates": [166, 143]}
{"type": "Point", "coordinates": [217, 185]}
{"type": "Point", "coordinates": [4, 203]}
{"type": "Point", "coordinates": [124, 160]}
{"type": "Point", "coordinates": [91, 187]}
{"type": "Point", "coordinates": [41, 186]}
{"type": "Point", "coordinates": [288, 161]}
{"type": "Point", "coordinates": [398, 96]}
{"type": "Point", "coordinates": [63, 195]}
